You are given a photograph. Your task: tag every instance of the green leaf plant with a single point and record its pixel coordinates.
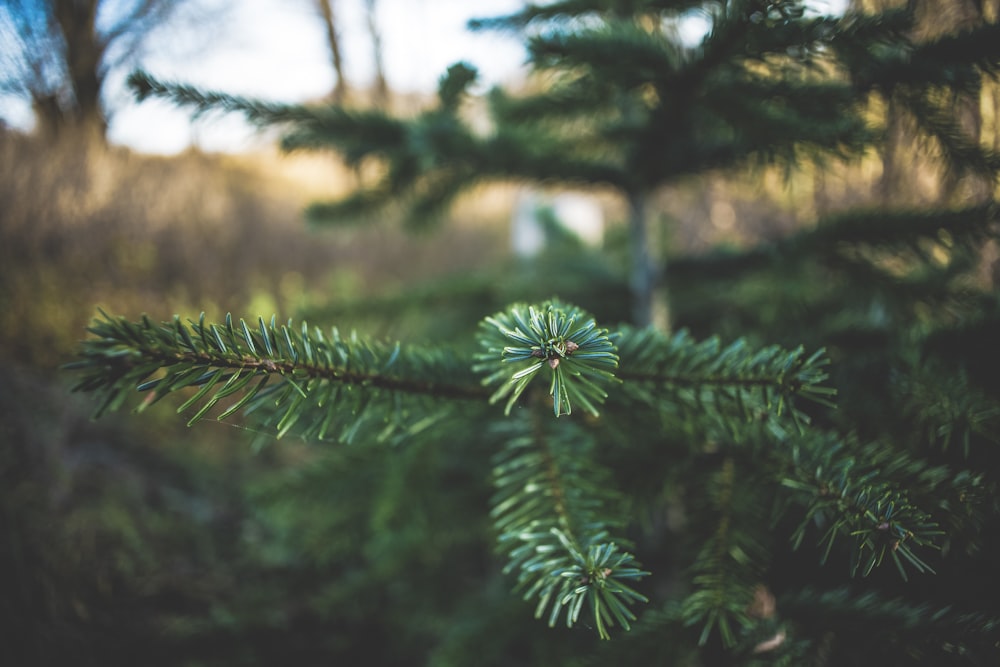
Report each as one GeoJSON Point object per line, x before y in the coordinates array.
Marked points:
{"type": "Point", "coordinates": [558, 510]}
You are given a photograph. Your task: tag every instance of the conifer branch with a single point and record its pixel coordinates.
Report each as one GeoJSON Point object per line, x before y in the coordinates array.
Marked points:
{"type": "Point", "coordinates": [845, 498]}
{"type": "Point", "coordinates": [727, 567]}
{"type": "Point", "coordinates": [951, 497]}
{"type": "Point", "coordinates": [548, 511]}
{"type": "Point", "coordinates": [550, 12]}
{"type": "Point", "coordinates": [620, 51]}
{"type": "Point", "coordinates": [832, 236]}
{"type": "Point", "coordinates": [969, 633]}
{"type": "Point", "coordinates": [579, 359]}
{"type": "Point", "coordinates": [580, 356]}
{"type": "Point", "coordinates": [428, 161]}
{"type": "Point", "coordinates": [938, 120]}
{"type": "Point", "coordinates": [318, 374]}
{"type": "Point", "coordinates": [552, 498]}
{"type": "Point", "coordinates": [201, 102]}
{"type": "Point", "coordinates": [951, 411]}
{"type": "Point", "coordinates": [676, 372]}
{"type": "Point", "coordinates": [956, 61]}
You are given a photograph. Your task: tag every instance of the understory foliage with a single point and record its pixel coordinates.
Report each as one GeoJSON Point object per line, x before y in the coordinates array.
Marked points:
{"type": "Point", "coordinates": [559, 516]}
{"type": "Point", "coordinates": [554, 507]}
{"type": "Point", "coordinates": [802, 470]}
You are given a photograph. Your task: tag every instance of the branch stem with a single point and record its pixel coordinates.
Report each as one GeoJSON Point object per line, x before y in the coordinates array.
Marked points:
{"type": "Point", "coordinates": [299, 370]}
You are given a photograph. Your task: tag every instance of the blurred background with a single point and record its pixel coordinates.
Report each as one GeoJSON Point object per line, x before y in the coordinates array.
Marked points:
{"type": "Point", "coordinates": [122, 539]}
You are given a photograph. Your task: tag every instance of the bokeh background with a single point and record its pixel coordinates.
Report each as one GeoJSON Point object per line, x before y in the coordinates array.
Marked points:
{"type": "Point", "coordinates": [125, 540]}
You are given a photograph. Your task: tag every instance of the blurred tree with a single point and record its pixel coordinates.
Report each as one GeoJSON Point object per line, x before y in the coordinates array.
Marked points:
{"type": "Point", "coordinates": [380, 90]}
{"type": "Point", "coordinates": [905, 117]}
{"type": "Point", "coordinates": [381, 85]}
{"type": "Point", "coordinates": [775, 531]}
{"type": "Point", "coordinates": [624, 102]}
{"type": "Point", "coordinates": [333, 40]}
{"type": "Point", "coordinates": [58, 54]}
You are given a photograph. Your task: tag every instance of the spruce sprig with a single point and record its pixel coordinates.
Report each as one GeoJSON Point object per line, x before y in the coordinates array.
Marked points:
{"type": "Point", "coordinates": [550, 511]}
{"type": "Point", "coordinates": [580, 356]}
{"type": "Point", "coordinates": [321, 384]}
{"type": "Point", "coordinates": [736, 381]}
{"type": "Point", "coordinates": [846, 497]}
{"type": "Point", "coordinates": [552, 508]}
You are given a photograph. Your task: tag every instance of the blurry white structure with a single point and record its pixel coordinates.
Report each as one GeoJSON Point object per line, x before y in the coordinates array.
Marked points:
{"type": "Point", "coordinates": [577, 213]}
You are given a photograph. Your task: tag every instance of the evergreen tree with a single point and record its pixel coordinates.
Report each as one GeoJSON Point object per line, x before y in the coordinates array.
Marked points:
{"type": "Point", "coordinates": [625, 106]}
{"type": "Point", "coordinates": [704, 495]}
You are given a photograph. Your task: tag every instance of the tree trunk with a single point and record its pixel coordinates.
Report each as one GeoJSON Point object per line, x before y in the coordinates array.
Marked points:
{"type": "Point", "coordinates": [77, 22]}
{"type": "Point", "coordinates": [340, 87]}
{"type": "Point", "coordinates": [893, 181]}
{"type": "Point", "coordinates": [50, 116]}
{"type": "Point", "coordinates": [966, 15]}
{"type": "Point", "coordinates": [381, 91]}
{"type": "Point", "coordinates": [648, 306]}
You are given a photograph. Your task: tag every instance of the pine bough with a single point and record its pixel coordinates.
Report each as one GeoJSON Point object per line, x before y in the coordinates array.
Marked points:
{"type": "Point", "coordinates": [556, 510]}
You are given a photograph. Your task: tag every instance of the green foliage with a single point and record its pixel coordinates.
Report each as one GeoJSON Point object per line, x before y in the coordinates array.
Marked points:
{"type": "Point", "coordinates": [548, 511]}
{"type": "Point", "coordinates": [319, 375]}
{"type": "Point", "coordinates": [728, 565]}
{"type": "Point", "coordinates": [902, 625]}
{"type": "Point", "coordinates": [772, 526]}
{"type": "Point", "coordinates": [740, 383]}
{"type": "Point", "coordinates": [581, 357]}
{"type": "Point", "coordinates": [847, 498]}
{"type": "Point", "coordinates": [625, 105]}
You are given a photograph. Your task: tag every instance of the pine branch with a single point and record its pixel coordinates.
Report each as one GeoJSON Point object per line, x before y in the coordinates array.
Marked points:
{"type": "Point", "coordinates": [534, 15]}
{"type": "Point", "coordinates": [567, 103]}
{"type": "Point", "coordinates": [952, 497]}
{"type": "Point", "coordinates": [977, 48]}
{"type": "Point", "coordinates": [968, 633]}
{"type": "Point", "coordinates": [956, 62]}
{"type": "Point", "coordinates": [938, 120]}
{"type": "Point", "coordinates": [798, 113]}
{"type": "Point", "coordinates": [548, 514]}
{"type": "Point", "coordinates": [950, 411]}
{"type": "Point", "coordinates": [735, 384]}
{"type": "Point", "coordinates": [621, 52]}
{"type": "Point", "coordinates": [357, 135]}
{"type": "Point", "coordinates": [258, 112]}
{"type": "Point", "coordinates": [727, 567]}
{"type": "Point", "coordinates": [565, 339]}
{"type": "Point", "coordinates": [830, 237]}
{"type": "Point", "coordinates": [551, 502]}
{"type": "Point", "coordinates": [454, 85]}
{"type": "Point", "coordinates": [428, 160]}
{"type": "Point", "coordinates": [847, 495]}
{"type": "Point", "coordinates": [322, 380]}
{"type": "Point", "coordinates": [517, 345]}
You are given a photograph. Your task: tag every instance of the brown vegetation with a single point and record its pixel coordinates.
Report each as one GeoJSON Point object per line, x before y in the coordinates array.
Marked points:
{"type": "Point", "coordinates": [85, 226]}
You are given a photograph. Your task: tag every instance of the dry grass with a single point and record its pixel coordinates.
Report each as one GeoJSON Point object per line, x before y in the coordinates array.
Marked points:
{"type": "Point", "coordinates": [82, 227]}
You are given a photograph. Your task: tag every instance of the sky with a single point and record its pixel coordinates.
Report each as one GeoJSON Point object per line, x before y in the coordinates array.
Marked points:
{"type": "Point", "coordinates": [277, 50]}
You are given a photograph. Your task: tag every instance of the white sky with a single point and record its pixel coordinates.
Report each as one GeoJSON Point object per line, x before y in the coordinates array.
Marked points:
{"type": "Point", "coordinates": [277, 50]}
